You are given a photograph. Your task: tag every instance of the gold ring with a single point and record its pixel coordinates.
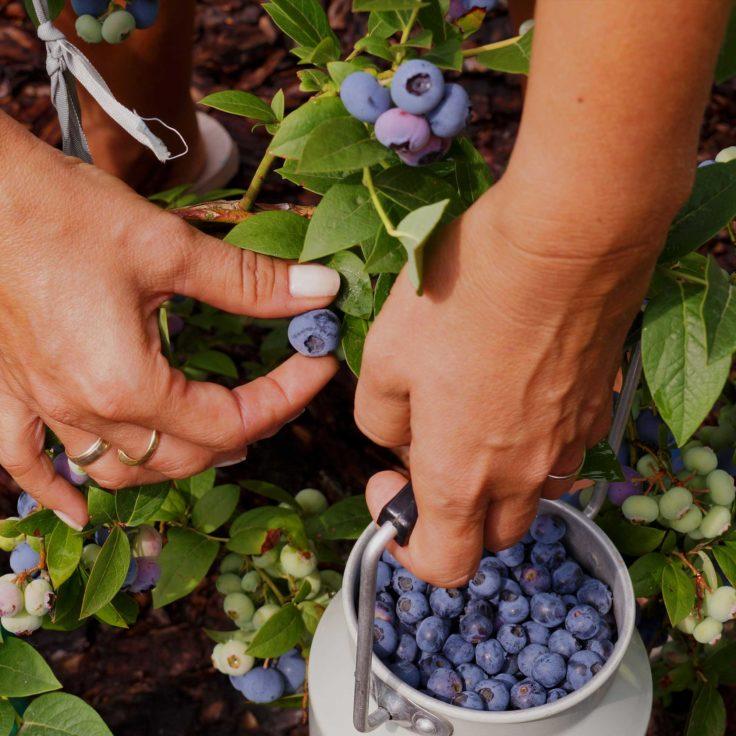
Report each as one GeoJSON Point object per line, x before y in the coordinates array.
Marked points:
{"type": "Point", "coordinates": [145, 457]}
{"type": "Point", "coordinates": [94, 452]}
{"type": "Point", "coordinates": [574, 473]}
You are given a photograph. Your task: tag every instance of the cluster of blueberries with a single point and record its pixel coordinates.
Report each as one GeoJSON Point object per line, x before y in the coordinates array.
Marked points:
{"type": "Point", "coordinates": [103, 20]}
{"type": "Point", "coordinates": [529, 628]}
{"type": "Point", "coordinates": [428, 112]}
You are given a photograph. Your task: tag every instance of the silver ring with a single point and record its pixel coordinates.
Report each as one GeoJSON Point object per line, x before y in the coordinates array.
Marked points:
{"type": "Point", "coordinates": [92, 453]}
{"type": "Point", "coordinates": [574, 473]}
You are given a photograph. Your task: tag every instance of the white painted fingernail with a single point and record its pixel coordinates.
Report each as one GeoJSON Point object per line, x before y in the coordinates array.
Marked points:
{"type": "Point", "coordinates": [69, 521]}
{"type": "Point", "coordinates": [228, 463]}
{"type": "Point", "coordinates": [312, 279]}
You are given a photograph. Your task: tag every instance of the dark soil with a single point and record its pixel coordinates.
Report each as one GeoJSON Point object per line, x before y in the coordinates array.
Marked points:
{"type": "Point", "coordinates": [156, 680]}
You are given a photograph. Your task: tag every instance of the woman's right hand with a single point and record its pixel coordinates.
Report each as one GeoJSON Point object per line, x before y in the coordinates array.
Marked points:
{"type": "Point", "coordinates": [85, 264]}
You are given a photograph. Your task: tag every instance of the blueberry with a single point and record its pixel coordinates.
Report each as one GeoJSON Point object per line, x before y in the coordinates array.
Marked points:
{"type": "Point", "coordinates": [475, 628]}
{"type": "Point", "coordinates": [404, 581]}
{"type": "Point", "coordinates": [555, 694]}
{"type": "Point", "coordinates": [535, 579]}
{"type": "Point", "coordinates": [549, 669]}
{"type": "Point", "coordinates": [490, 656]}
{"type": "Point", "coordinates": [508, 680]}
{"type": "Point", "coordinates": [603, 648]}
{"type": "Point", "coordinates": [493, 563]}
{"type": "Point", "coordinates": [581, 667]}
{"type": "Point", "coordinates": [145, 12]}
{"type": "Point", "coordinates": [364, 97]}
{"type": "Point", "coordinates": [457, 650]}
{"type": "Point", "coordinates": [467, 699]}
{"type": "Point", "coordinates": [582, 621]}
{"type": "Point", "coordinates": [549, 555]}
{"type": "Point", "coordinates": [564, 643]}
{"type": "Point", "coordinates": [386, 597]}
{"type": "Point", "coordinates": [512, 556]}
{"type": "Point", "coordinates": [447, 602]}
{"type": "Point", "coordinates": [406, 672]}
{"type": "Point", "coordinates": [494, 692]}
{"type": "Point", "coordinates": [511, 586]}
{"type": "Point", "coordinates": [11, 599]}
{"type": "Point", "coordinates": [434, 149]}
{"type": "Point", "coordinates": [471, 674]}
{"type": "Point", "coordinates": [390, 560]}
{"type": "Point", "coordinates": [90, 7]}
{"type": "Point", "coordinates": [383, 576]}
{"type": "Point", "coordinates": [567, 578]}
{"type": "Point", "coordinates": [149, 543]}
{"type": "Point", "coordinates": [445, 682]}
{"type": "Point", "coordinates": [132, 573]}
{"type": "Point", "coordinates": [385, 638]}
{"type": "Point", "coordinates": [148, 573]}
{"type": "Point", "coordinates": [512, 637]}
{"type": "Point", "coordinates": [511, 666]}
{"type": "Point", "coordinates": [26, 505]}
{"type": "Point", "coordinates": [101, 535]}
{"type": "Point", "coordinates": [69, 471]}
{"type": "Point", "coordinates": [619, 491]}
{"type": "Point", "coordinates": [402, 131]}
{"type": "Point", "coordinates": [528, 694]}
{"type": "Point", "coordinates": [548, 609]}
{"type": "Point", "coordinates": [315, 333]}
{"type": "Point", "coordinates": [262, 685]}
{"type": "Point", "coordinates": [479, 605]}
{"type": "Point", "coordinates": [23, 558]}
{"type": "Point", "coordinates": [596, 594]}
{"type": "Point", "coordinates": [428, 663]}
{"type": "Point", "coordinates": [417, 86]}
{"type": "Point", "coordinates": [604, 632]}
{"type": "Point", "coordinates": [569, 600]}
{"type": "Point", "coordinates": [384, 611]}
{"type": "Point", "coordinates": [548, 529]}
{"type": "Point", "coordinates": [431, 634]}
{"type": "Point", "coordinates": [407, 649]}
{"type": "Point", "coordinates": [528, 656]}
{"type": "Point", "coordinates": [512, 608]}
{"type": "Point", "coordinates": [536, 633]}
{"type": "Point", "coordinates": [412, 607]}
{"type": "Point", "coordinates": [450, 117]}
{"type": "Point", "coordinates": [294, 672]}
{"type": "Point", "coordinates": [485, 583]}
{"type": "Point", "coordinates": [118, 26]}
{"type": "Point", "coordinates": [647, 427]}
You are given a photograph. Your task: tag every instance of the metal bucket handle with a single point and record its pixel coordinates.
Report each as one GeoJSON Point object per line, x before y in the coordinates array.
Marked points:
{"type": "Point", "coordinates": [396, 522]}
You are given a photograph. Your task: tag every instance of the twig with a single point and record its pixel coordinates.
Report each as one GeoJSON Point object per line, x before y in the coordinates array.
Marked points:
{"type": "Point", "coordinates": [254, 188]}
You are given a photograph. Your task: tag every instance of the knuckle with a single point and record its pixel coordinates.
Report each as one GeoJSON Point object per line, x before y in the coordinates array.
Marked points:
{"type": "Point", "coordinates": [112, 480]}
{"type": "Point", "coordinates": [180, 468]}
{"type": "Point", "coordinates": [258, 277]}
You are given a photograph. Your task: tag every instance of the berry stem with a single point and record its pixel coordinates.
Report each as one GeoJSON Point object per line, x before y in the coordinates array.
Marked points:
{"type": "Point", "coordinates": [405, 34]}
{"type": "Point", "coordinates": [690, 278]}
{"type": "Point", "coordinates": [467, 53]}
{"type": "Point", "coordinates": [254, 188]}
{"type": "Point", "coordinates": [277, 593]}
{"type": "Point", "coordinates": [731, 231]}
{"type": "Point", "coordinates": [385, 219]}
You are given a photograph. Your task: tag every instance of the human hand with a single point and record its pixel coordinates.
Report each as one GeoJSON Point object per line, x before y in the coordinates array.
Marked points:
{"type": "Point", "coordinates": [84, 266]}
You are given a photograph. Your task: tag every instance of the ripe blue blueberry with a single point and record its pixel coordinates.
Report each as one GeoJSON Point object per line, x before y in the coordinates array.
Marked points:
{"type": "Point", "coordinates": [101, 535]}
{"type": "Point", "coordinates": [433, 150]}
{"type": "Point", "coordinates": [512, 608]}
{"type": "Point", "coordinates": [564, 643]}
{"type": "Point", "coordinates": [528, 694]}
{"type": "Point", "coordinates": [383, 576]}
{"type": "Point", "coordinates": [508, 680]}
{"type": "Point", "coordinates": [445, 682]}
{"type": "Point", "coordinates": [475, 628]}
{"type": "Point", "coordinates": [457, 650]}
{"type": "Point", "coordinates": [596, 594]}
{"type": "Point", "coordinates": [647, 428]}
{"type": "Point", "coordinates": [428, 663]}
{"type": "Point", "coordinates": [385, 638]}
{"type": "Point", "coordinates": [495, 693]}
{"type": "Point", "coordinates": [148, 573]}
{"type": "Point", "coordinates": [549, 669]}
{"type": "Point", "coordinates": [364, 97]}
{"type": "Point", "coordinates": [567, 578]}
{"type": "Point", "coordinates": [481, 606]}
{"type": "Point", "coordinates": [90, 7]}
{"type": "Point", "coordinates": [490, 656]}
{"type": "Point", "coordinates": [467, 699]}
{"type": "Point", "coordinates": [432, 633]}
{"type": "Point", "coordinates": [619, 491]}
{"type": "Point", "coordinates": [402, 131]}
{"type": "Point", "coordinates": [581, 667]}
{"type": "Point", "coordinates": [511, 666]}
{"type": "Point", "coordinates": [569, 600]}
{"type": "Point", "coordinates": [583, 621]}
{"type": "Point", "coordinates": [550, 555]}
{"type": "Point", "coordinates": [384, 611]}
{"type": "Point", "coordinates": [69, 471]}
{"type": "Point", "coordinates": [512, 556]}
{"type": "Point", "coordinates": [528, 656]}
{"type": "Point", "coordinates": [512, 637]}
{"type": "Point", "coordinates": [447, 602]}
{"type": "Point", "coordinates": [145, 12]}
{"type": "Point", "coordinates": [23, 558]}
{"type": "Point", "coordinates": [407, 650]}
{"type": "Point", "coordinates": [471, 674]}
{"type": "Point", "coordinates": [603, 648]}
{"type": "Point", "coordinates": [548, 609]}
{"type": "Point", "coordinates": [493, 563]}
{"type": "Point", "coordinates": [548, 529]}
{"type": "Point", "coordinates": [535, 579]}
{"type": "Point", "coordinates": [450, 117]}
{"type": "Point", "coordinates": [262, 685]}
{"type": "Point", "coordinates": [315, 333]}
{"type": "Point", "coordinates": [604, 632]}
{"type": "Point", "coordinates": [536, 633]}
{"type": "Point", "coordinates": [26, 505]}
{"type": "Point", "coordinates": [406, 672]}
{"type": "Point", "coordinates": [390, 560]}
{"type": "Point", "coordinates": [404, 581]}
{"type": "Point", "coordinates": [132, 573]}
{"type": "Point", "coordinates": [510, 586]}
{"type": "Point", "coordinates": [294, 671]}
{"type": "Point", "coordinates": [485, 583]}
{"type": "Point", "coordinates": [412, 607]}
{"type": "Point", "coordinates": [555, 694]}
{"type": "Point", "coordinates": [417, 86]}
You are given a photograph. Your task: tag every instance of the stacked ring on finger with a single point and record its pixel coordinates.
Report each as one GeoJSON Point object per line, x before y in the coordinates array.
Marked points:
{"type": "Point", "coordinates": [574, 473]}
{"type": "Point", "coordinates": [93, 453]}
{"type": "Point", "coordinates": [145, 457]}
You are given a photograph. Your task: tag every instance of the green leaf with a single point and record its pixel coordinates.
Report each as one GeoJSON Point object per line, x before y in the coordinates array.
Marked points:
{"type": "Point", "coordinates": [383, 253]}
{"type": "Point", "coordinates": [471, 175]}
{"type": "Point", "coordinates": [279, 634]}
{"type": "Point", "coordinates": [630, 539]}
{"type": "Point", "coordinates": [354, 332]}
{"type": "Point", "coordinates": [379, 47]}
{"type": "Point", "coordinates": [185, 560]}
{"type": "Point", "coordinates": [108, 573]}
{"type": "Point", "coordinates": [241, 103]}
{"type": "Point", "coordinates": [312, 80]}
{"type": "Point", "coordinates": [319, 183]}
{"type": "Point", "coordinates": [725, 555]}
{"type": "Point", "coordinates": [327, 50]}
{"type": "Point", "coordinates": [39, 523]}
{"type": "Point", "coordinates": [340, 144]}
{"type": "Point", "coordinates": [221, 637]}
{"type": "Point", "coordinates": [213, 361]}
{"type": "Point", "coordinates": [174, 507]}
{"type": "Point", "coordinates": [446, 55]}
{"type": "Point", "coordinates": [340, 70]}
{"type": "Point", "coordinates": [271, 491]}
{"type": "Point", "coordinates": [678, 591]}
{"type": "Point", "coordinates": [356, 293]}
{"type": "Point", "coordinates": [65, 616]}
{"type": "Point", "coordinates": [267, 519]}
{"type": "Point", "coordinates": [274, 233]}
{"type": "Point", "coordinates": [718, 665]}
{"type": "Point", "coordinates": [719, 312]}
{"type": "Point", "coordinates": [122, 611]}
{"type": "Point", "coordinates": [601, 463]}
{"type": "Point", "coordinates": [707, 714]}
{"type": "Point", "coordinates": [55, 7]}
{"type": "Point", "coordinates": [136, 506]}
{"type": "Point", "coordinates": [293, 132]}
{"type": "Point", "coordinates": [646, 574]}
{"type": "Point", "coordinates": [9, 528]}
{"type": "Point", "coordinates": [383, 288]}
{"type": "Point", "coordinates": [683, 383]}
{"type": "Point", "coordinates": [249, 541]}
{"type": "Point", "coordinates": [347, 519]}
{"type": "Point", "coordinates": [63, 552]}
{"type": "Point", "coordinates": [302, 20]}
{"type": "Point", "coordinates": [414, 232]}
{"type": "Point", "coordinates": [512, 58]}
{"type": "Point", "coordinates": [215, 508]}
{"type": "Point", "coordinates": [23, 671]}
{"type": "Point", "coordinates": [406, 189]}
{"type": "Point", "coordinates": [711, 206]}
{"type": "Point", "coordinates": [726, 65]}
{"type": "Point", "coordinates": [278, 103]}
{"type": "Point", "coordinates": [344, 217]}
{"type": "Point", "coordinates": [197, 485]}
{"type": "Point", "coordinates": [311, 614]}
{"type": "Point", "coordinates": [61, 714]}
{"type": "Point", "coordinates": [365, 6]}
{"type": "Point", "coordinates": [7, 718]}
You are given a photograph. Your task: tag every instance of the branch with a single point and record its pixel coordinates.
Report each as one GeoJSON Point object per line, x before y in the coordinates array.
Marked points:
{"type": "Point", "coordinates": [231, 212]}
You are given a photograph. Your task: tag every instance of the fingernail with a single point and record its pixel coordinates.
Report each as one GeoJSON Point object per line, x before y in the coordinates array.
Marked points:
{"type": "Point", "coordinates": [69, 521]}
{"type": "Point", "coordinates": [312, 279]}
{"type": "Point", "coordinates": [228, 463]}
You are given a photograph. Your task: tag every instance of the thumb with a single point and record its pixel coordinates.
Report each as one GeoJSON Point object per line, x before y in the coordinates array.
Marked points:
{"type": "Point", "coordinates": [243, 282]}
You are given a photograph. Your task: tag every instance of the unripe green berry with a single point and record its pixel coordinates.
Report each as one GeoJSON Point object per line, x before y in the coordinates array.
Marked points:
{"type": "Point", "coordinates": [228, 583]}
{"type": "Point", "coordinates": [264, 613]}
{"type": "Point", "coordinates": [688, 624]}
{"type": "Point", "coordinates": [695, 534]}
{"type": "Point", "coordinates": [251, 582]}
{"type": "Point", "coordinates": [715, 522]}
{"type": "Point", "coordinates": [647, 466]}
{"type": "Point", "coordinates": [231, 563]}
{"type": "Point", "coordinates": [700, 460]}
{"type": "Point", "coordinates": [23, 624]}
{"type": "Point", "coordinates": [689, 522]}
{"type": "Point", "coordinates": [118, 26]}
{"type": "Point", "coordinates": [239, 608]}
{"type": "Point", "coordinates": [266, 559]}
{"type": "Point", "coordinates": [640, 509]}
{"type": "Point", "coordinates": [721, 487]}
{"type": "Point", "coordinates": [721, 603]}
{"type": "Point", "coordinates": [675, 503]}
{"type": "Point", "coordinates": [692, 443]}
{"type": "Point", "coordinates": [708, 631]}
{"type": "Point", "coordinates": [311, 501]}
{"type": "Point", "coordinates": [315, 584]}
{"type": "Point", "coordinates": [88, 28]}
{"type": "Point", "coordinates": [331, 580]}
{"type": "Point", "coordinates": [231, 658]}
{"type": "Point", "coordinates": [298, 562]}
{"type": "Point", "coordinates": [90, 553]}
{"type": "Point", "coordinates": [585, 495]}
{"type": "Point", "coordinates": [726, 155]}
{"type": "Point", "coordinates": [722, 437]}
{"type": "Point", "coordinates": [39, 597]}
{"type": "Point", "coordinates": [727, 415]}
